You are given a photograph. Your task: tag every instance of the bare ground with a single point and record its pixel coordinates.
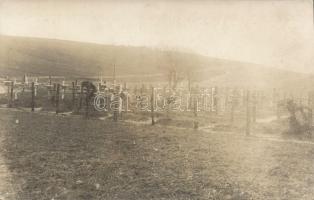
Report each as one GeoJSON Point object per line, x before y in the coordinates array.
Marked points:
{"type": "Point", "coordinates": [67, 157]}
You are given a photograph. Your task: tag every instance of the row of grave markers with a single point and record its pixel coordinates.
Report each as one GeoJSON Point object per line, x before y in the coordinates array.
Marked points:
{"type": "Point", "coordinates": [212, 99]}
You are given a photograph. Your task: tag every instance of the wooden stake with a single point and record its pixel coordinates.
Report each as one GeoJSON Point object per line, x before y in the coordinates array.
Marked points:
{"type": "Point", "coordinates": [49, 80]}
{"type": "Point", "coordinates": [73, 95]}
{"type": "Point", "coordinates": [33, 97]}
{"type": "Point", "coordinates": [49, 92]}
{"type": "Point", "coordinates": [53, 98]}
{"type": "Point", "coordinates": [81, 97]}
{"type": "Point", "coordinates": [11, 94]}
{"type": "Point", "coordinates": [116, 107]}
{"type": "Point", "coordinates": [195, 112]}
{"type": "Point", "coordinates": [57, 98]}
{"type": "Point", "coordinates": [87, 101]}
{"type": "Point", "coordinates": [35, 90]}
{"type": "Point", "coordinates": [127, 103]}
{"type": "Point", "coordinates": [152, 106]}
{"type": "Point", "coordinates": [99, 87]}
{"type": "Point", "coordinates": [8, 95]}
{"type": "Point", "coordinates": [216, 101]}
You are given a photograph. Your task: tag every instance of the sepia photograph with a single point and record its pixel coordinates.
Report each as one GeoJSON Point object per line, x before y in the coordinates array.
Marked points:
{"type": "Point", "coordinates": [156, 100]}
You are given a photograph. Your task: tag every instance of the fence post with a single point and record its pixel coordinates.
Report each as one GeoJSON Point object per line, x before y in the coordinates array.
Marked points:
{"type": "Point", "coordinates": [49, 80]}
{"type": "Point", "coordinates": [81, 98]}
{"type": "Point", "coordinates": [216, 100]}
{"type": "Point", "coordinates": [248, 113]}
{"type": "Point", "coordinates": [87, 101]}
{"type": "Point", "coordinates": [33, 97]}
{"type": "Point", "coordinates": [57, 98]}
{"type": "Point", "coordinates": [195, 112]}
{"type": "Point", "coordinates": [53, 98]}
{"type": "Point", "coordinates": [11, 94]}
{"type": "Point", "coordinates": [116, 106]}
{"type": "Point", "coordinates": [152, 106]}
{"type": "Point", "coordinates": [49, 92]}
{"type": "Point", "coordinates": [73, 95]}
{"type": "Point", "coordinates": [8, 95]}
{"type": "Point", "coordinates": [127, 103]}
{"type": "Point", "coordinates": [63, 91]}
{"type": "Point", "coordinates": [35, 90]}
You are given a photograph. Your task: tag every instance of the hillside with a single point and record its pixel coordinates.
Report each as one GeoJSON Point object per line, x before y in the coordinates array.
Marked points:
{"type": "Point", "coordinates": [42, 57]}
{"type": "Point", "coordinates": [57, 57]}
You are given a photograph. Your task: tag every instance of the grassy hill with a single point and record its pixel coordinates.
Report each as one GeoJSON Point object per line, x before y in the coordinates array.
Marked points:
{"type": "Point", "coordinates": [42, 57]}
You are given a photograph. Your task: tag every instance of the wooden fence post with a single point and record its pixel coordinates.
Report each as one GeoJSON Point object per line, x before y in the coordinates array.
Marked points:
{"type": "Point", "coordinates": [127, 102]}
{"type": "Point", "coordinates": [152, 106]}
{"type": "Point", "coordinates": [63, 90]}
{"type": "Point", "coordinates": [11, 94]}
{"type": "Point", "coordinates": [33, 97]}
{"type": "Point", "coordinates": [53, 98]}
{"type": "Point", "coordinates": [248, 113]}
{"type": "Point", "coordinates": [49, 92]}
{"type": "Point", "coordinates": [8, 95]}
{"type": "Point", "coordinates": [87, 101]}
{"type": "Point", "coordinates": [57, 98]}
{"type": "Point", "coordinates": [116, 100]}
{"type": "Point", "coordinates": [35, 90]}
{"type": "Point", "coordinates": [195, 112]}
{"type": "Point", "coordinates": [98, 87]}
{"type": "Point", "coordinates": [73, 95]}
{"type": "Point", "coordinates": [115, 110]}
{"type": "Point", "coordinates": [81, 97]}
{"type": "Point", "coordinates": [216, 100]}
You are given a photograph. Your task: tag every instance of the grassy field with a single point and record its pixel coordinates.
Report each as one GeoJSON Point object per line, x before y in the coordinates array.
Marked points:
{"type": "Point", "coordinates": [44, 156]}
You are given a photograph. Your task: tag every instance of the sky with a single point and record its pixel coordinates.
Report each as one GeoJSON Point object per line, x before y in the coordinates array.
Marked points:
{"type": "Point", "coordinates": [274, 33]}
